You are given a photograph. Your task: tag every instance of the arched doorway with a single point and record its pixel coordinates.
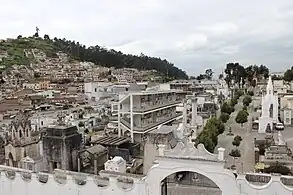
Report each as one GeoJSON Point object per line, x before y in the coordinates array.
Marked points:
{"type": "Point", "coordinates": [10, 160]}
{"type": "Point", "coordinates": [197, 162]}
{"type": "Point", "coordinates": [186, 182]}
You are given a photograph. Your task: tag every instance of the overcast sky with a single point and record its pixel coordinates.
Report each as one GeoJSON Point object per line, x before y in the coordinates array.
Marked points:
{"type": "Point", "coordinates": [193, 34]}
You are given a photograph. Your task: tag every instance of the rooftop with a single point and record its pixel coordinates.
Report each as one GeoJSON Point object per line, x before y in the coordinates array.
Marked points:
{"type": "Point", "coordinates": [153, 92]}
{"type": "Point", "coordinates": [111, 140]}
{"type": "Point", "coordinates": [97, 149]}
{"type": "Point", "coordinates": [164, 129]}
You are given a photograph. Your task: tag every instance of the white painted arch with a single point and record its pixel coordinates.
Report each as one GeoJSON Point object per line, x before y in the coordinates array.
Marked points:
{"type": "Point", "coordinates": [215, 171]}
{"type": "Point", "coordinates": [187, 157]}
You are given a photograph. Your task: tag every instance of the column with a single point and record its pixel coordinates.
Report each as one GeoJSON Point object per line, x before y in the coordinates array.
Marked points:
{"type": "Point", "coordinates": [164, 187]}
{"type": "Point", "coordinates": [95, 167]}
{"type": "Point", "coordinates": [131, 118]}
{"type": "Point", "coordinates": [256, 155]}
{"type": "Point", "coordinates": [184, 114]}
{"type": "Point", "coordinates": [221, 152]}
{"type": "Point", "coordinates": [194, 111]}
{"type": "Point", "coordinates": [161, 149]}
{"type": "Point", "coordinates": [119, 125]}
{"type": "Point", "coordinates": [51, 167]}
{"type": "Point", "coordinates": [78, 164]}
{"type": "Point", "coordinates": [41, 151]}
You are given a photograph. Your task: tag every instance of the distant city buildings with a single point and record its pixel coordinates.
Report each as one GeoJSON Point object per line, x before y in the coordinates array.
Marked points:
{"type": "Point", "coordinates": [108, 130]}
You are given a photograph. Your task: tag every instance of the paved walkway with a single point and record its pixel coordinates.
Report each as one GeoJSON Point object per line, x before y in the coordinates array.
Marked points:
{"type": "Point", "coordinates": [246, 162]}
{"type": "Point", "coordinates": [174, 189]}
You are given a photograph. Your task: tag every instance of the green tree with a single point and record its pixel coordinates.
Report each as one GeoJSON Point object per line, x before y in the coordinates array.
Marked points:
{"type": "Point", "coordinates": [226, 108]}
{"type": "Point", "coordinates": [235, 153]}
{"type": "Point", "coordinates": [209, 136]}
{"type": "Point", "coordinates": [96, 54]}
{"type": "Point", "coordinates": [233, 101]}
{"type": "Point", "coordinates": [251, 93]}
{"type": "Point", "coordinates": [224, 117]}
{"type": "Point", "coordinates": [235, 72]}
{"type": "Point", "coordinates": [111, 58]}
{"type": "Point", "coordinates": [238, 137]}
{"type": "Point", "coordinates": [237, 140]}
{"type": "Point", "coordinates": [201, 77]}
{"type": "Point", "coordinates": [275, 77]}
{"type": "Point", "coordinates": [209, 73]}
{"type": "Point", "coordinates": [288, 75]}
{"type": "Point", "coordinates": [263, 70]}
{"type": "Point", "coordinates": [241, 117]}
{"type": "Point", "coordinates": [205, 139]}
{"type": "Point", "coordinates": [217, 123]}
{"type": "Point", "coordinates": [220, 127]}
{"type": "Point", "coordinates": [46, 37]}
{"type": "Point", "coordinates": [247, 100]}
{"type": "Point", "coordinates": [238, 93]}
{"type": "Point", "coordinates": [221, 98]}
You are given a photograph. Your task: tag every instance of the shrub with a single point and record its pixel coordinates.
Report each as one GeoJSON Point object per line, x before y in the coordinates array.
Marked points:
{"type": "Point", "coordinates": [224, 117]}
{"type": "Point", "coordinates": [247, 100]}
{"type": "Point", "coordinates": [241, 117]}
{"type": "Point", "coordinates": [251, 93]}
{"type": "Point", "coordinates": [235, 153]}
{"type": "Point", "coordinates": [237, 140]}
{"type": "Point", "coordinates": [209, 136]}
{"type": "Point", "coordinates": [233, 101]}
{"type": "Point", "coordinates": [227, 108]}
{"type": "Point", "coordinates": [239, 93]}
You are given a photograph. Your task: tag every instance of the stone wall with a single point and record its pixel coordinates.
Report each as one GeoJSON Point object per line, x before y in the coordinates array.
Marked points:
{"type": "Point", "coordinates": [16, 181]}
{"type": "Point", "coordinates": [265, 184]}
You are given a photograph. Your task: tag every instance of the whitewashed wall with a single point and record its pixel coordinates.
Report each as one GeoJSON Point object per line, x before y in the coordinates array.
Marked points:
{"type": "Point", "coordinates": [15, 181]}
{"type": "Point", "coordinates": [274, 187]}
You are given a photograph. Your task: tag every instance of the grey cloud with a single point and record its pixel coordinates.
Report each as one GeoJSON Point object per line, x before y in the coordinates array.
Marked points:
{"type": "Point", "coordinates": [193, 34]}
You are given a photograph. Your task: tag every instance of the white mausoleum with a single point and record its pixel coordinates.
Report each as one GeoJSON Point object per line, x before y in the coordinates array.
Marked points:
{"type": "Point", "coordinates": [269, 109]}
